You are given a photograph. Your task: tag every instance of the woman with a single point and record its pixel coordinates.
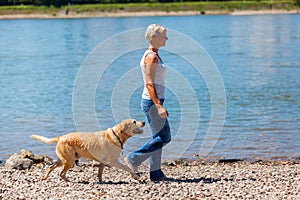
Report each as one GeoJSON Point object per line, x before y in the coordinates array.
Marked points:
{"type": "Point", "coordinates": [153, 71]}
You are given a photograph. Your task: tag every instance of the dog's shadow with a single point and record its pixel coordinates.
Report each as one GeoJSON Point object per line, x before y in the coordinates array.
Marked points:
{"type": "Point", "coordinates": [103, 182]}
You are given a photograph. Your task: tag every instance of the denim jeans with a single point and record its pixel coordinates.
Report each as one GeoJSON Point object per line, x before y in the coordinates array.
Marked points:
{"type": "Point", "coordinates": [161, 135]}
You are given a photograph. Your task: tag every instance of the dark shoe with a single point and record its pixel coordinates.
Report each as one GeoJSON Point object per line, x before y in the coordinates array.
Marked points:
{"type": "Point", "coordinates": [157, 175]}
{"type": "Point", "coordinates": [164, 178]}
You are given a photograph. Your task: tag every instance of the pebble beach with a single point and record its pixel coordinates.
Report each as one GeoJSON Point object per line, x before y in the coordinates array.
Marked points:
{"type": "Point", "coordinates": [188, 180]}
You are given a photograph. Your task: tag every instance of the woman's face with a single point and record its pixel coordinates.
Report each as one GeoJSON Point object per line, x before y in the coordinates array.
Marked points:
{"type": "Point", "coordinates": [160, 39]}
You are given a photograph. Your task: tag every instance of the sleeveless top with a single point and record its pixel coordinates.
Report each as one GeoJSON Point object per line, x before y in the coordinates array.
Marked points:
{"type": "Point", "coordinates": [159, 81]}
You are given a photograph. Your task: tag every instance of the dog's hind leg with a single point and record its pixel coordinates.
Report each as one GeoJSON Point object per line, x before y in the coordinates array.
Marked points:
{"type": "Point", "coordinates": [67, 157]}
{"type": "Point", "coordinates": [67, 165]}
{"type": "Point", "coordinates": [58, 163]}
{"type": "Point", "coordinates": [100, 171]}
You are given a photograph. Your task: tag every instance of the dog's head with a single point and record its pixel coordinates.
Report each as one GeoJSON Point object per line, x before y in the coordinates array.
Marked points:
{"type": "Point", "coordinates": [132, 127]}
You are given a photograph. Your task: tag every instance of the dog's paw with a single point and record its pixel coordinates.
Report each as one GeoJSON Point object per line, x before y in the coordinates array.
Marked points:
{"type": "Point", "coordinates": [135, 176]}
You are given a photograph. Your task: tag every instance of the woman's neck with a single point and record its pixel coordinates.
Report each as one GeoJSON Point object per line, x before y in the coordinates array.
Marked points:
{"type": "Point", "coordinates": [153, 49]}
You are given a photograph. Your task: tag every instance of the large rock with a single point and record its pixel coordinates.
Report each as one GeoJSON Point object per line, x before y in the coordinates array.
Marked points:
{"type": "Point", "coordinates": [25, 159]}
{"type": "Point", "coordinates": [16, 162]}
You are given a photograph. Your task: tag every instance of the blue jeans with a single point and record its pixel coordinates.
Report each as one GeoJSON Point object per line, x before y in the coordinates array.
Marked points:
{"type": "Point", "coordinates": [161, 135]}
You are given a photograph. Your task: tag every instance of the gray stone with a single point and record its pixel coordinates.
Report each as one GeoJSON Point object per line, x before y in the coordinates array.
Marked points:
{"type": "Point", "coordinates": [18, 163]}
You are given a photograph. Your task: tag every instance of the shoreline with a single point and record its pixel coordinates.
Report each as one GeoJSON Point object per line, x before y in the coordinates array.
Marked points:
{"type": "Point", "coordinates": [71, 15]}
{"type": "Point", "coordinates": [204, 160]}
{"type": "Point", "coordinates": [188, 159]}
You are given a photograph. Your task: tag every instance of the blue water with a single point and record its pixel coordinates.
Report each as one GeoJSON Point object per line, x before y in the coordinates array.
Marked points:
{"type": "Point", "coordinates": [257, 57]}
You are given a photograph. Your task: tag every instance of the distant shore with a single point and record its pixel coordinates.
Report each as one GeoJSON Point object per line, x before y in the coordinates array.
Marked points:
{"type": "Point", "coordinates": [62, 14]}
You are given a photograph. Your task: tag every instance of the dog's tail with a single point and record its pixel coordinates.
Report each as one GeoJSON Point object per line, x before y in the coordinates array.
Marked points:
{"type": "Point", "coordinates": [45, 140]}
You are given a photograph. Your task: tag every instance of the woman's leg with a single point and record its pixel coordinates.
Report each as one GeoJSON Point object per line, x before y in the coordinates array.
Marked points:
{"type": "Point", "coordinates": [161, 136]}
{"type": "Point", "coordinates": [165, 136]}
{"type": "Point", "coordinates": [155, 158]}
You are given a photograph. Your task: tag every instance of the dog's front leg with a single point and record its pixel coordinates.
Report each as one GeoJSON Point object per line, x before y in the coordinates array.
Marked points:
{"type": "Point", "coordinates": [119, 165]}
{"type": "Point", "coordinates": [100, 171]}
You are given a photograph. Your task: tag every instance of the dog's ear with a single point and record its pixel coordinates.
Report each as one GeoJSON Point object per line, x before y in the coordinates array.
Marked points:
{"type": "Point", "coordinates": [124, 125]}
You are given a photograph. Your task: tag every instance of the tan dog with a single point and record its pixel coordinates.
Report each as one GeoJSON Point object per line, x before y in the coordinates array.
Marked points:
{"type": "Point", "coordinates": [103, 146]}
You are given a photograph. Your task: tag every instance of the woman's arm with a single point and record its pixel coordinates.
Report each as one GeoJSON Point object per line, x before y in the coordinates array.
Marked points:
{"type": "Point", "coordinates": [151, 62]}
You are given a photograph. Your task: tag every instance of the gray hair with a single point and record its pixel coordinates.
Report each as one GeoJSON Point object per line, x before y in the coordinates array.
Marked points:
{"type": "Point", "coordinates": [154, 29]}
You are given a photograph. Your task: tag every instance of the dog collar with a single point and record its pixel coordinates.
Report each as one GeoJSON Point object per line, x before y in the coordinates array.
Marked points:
{"type": "Point", "coordinates": [118, 138]}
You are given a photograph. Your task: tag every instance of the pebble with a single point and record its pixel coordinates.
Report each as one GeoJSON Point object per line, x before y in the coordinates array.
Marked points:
{"type": "Point", "coordinates": [191, 180]}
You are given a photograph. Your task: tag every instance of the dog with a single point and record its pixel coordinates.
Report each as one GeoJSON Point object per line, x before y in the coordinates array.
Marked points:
{"type": "Point", "coordinates": [103, 146]}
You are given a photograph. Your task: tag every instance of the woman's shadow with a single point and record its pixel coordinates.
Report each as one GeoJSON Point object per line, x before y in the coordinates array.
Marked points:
{"type": "Point", "coordinates": [195, 180]}
{"type": "Point", "coordinates": [185, 180]}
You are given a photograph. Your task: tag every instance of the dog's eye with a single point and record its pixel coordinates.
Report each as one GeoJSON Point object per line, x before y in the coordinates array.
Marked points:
{"type": "Point", "coordinates": [134, 122]}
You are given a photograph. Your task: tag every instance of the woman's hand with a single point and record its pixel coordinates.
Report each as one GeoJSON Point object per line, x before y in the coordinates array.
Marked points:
{"type": "Point", "coordinates": [162, 111]}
